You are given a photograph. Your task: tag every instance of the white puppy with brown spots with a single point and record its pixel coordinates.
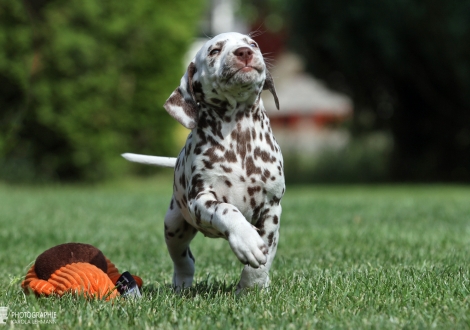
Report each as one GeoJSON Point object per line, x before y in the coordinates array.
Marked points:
{"type": "Point", "coordinates": [229, 177]}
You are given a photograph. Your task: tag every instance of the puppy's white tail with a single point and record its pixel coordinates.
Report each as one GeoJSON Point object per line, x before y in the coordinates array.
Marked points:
{"type": "Point", "coordinates": [150, 160]}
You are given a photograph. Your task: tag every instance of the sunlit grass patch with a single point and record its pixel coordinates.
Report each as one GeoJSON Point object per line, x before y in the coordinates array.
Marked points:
{"type": "Point", "coordinates": [354, 257]}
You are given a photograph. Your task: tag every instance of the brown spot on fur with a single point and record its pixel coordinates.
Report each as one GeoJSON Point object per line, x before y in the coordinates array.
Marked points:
{"type": "Point", "coordinates": [209, 204]}
{"type": "Point", "coordinates": [197, 185]}
{"type": "Point", "coordinates": [213, 158]}
{"type": "Point", "coordinates": [252, 203]}
{"type": "Point", "coordinates": [243, 140]}
{"type": "Point", "coordinates": [198, 92]}
{"type": "Point", "coordinates": [268, 141]}
{"type": "Point", "coordinates": [213, 193]}
{"type": "Point", "coordinates": [230, 156]}
{"type": "Point", "coordinates": [191, 255]}
{"type": "Point", "coordinates": [261, 216]}
{"type": "Point", "coordinates": [270, 239]}
{"type": "Point", "coordinates": [264, 155]}
{"type": "Point", "coordinates": [226, 169]}
{"type": "Point", "coordinates": [275, 200]}
{"type": "Point", "coordinates": [251, 168]}
{"type": "Point", "coordinates": [197, 213]}
{"type": "Point", "coordinates": [253, 190]}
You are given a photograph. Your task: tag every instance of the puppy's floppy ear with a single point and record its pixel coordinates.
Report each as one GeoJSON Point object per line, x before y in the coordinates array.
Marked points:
{"type": "Point", "coordinates": [181, 104]}
{"type": "Point", "coordinates": [269, 85]}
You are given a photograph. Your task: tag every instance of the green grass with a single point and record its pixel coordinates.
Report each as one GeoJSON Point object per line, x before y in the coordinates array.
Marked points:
{"type": "Point", "coordinates": [355, 257]}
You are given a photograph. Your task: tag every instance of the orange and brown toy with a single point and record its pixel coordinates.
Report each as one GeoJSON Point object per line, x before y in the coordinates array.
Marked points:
{"type": "Point", "coordinates": [74, 267]}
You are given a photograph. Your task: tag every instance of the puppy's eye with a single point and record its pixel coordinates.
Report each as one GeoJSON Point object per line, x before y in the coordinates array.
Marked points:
{"type": "Point", "coordinates": [214, 52]}
{"type": "Point", "coordinates": [254, 45]}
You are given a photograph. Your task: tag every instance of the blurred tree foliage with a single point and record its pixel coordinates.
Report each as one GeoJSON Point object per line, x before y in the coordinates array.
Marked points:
{"type": "Point", "coordinates": [83, 81]}
{"type": "Point", "coordinates": [406, 64]}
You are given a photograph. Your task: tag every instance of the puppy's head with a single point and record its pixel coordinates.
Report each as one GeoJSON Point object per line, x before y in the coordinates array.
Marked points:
{"type": "Point", "coordinates": [228, 69]}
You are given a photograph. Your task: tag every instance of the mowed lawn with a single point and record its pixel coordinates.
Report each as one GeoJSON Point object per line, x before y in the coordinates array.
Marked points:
{"type": "Point", "coordinates": [350, 257]}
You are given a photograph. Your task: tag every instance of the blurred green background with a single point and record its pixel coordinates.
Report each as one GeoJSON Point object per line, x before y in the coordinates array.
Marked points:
{"type": "Point", "coordinates": [84, 81]}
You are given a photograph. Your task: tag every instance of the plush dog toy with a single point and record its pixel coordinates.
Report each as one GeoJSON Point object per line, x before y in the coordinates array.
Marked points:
{"type": "Point", "coordinates": [74, 267]}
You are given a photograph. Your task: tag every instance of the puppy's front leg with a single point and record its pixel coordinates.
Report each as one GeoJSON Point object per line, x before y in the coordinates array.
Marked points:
{"type": "Point", "coordinates": [270, 232]}
{"type": "Point", "coordinates": [227, 220]}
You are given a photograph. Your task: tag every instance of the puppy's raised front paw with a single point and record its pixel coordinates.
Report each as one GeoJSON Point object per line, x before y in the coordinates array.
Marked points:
{"type": "Point", "coordinates": [248, 246]}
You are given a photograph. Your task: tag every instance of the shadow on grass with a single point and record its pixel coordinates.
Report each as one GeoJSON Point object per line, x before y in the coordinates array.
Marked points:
{"type": "Point", "coordinates": [204, 288]}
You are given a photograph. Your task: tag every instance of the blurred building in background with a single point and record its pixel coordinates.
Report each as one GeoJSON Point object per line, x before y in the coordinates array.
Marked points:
{"type": "Point", "coordinates": [310, 114]}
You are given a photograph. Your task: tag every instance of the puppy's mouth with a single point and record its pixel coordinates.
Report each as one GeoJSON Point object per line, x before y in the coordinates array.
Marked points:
{"type": "Point", "coordinates": [244, 69]}
{"type": "Point", "coordinates": [247, 68]}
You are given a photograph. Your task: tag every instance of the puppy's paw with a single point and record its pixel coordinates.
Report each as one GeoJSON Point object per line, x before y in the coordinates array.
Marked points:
{"type": "Point", "coordinates": [183, 276]}
{"type": "Point", "coordinates": [182, 281]}
{"type": "Point", "coordinates": [248, 246]}
{"type": "Point", "coordinates": [249, 283]}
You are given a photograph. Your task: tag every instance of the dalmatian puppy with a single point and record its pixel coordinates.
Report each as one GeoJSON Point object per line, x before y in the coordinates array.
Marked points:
{"type": "Point", "coordinates": [228, 179]}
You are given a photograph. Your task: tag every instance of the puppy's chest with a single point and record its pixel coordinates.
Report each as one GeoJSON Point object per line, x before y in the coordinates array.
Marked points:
{"type": "Point", "coordinates": [242, 167]}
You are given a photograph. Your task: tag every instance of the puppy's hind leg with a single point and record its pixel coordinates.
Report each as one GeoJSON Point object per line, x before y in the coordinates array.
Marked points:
{"type": "Point", "coordinates": [178, 236]}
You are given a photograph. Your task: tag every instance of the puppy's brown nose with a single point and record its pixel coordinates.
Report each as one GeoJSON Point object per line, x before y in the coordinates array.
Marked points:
{"type": "Point", "coordinates": [244, 54]}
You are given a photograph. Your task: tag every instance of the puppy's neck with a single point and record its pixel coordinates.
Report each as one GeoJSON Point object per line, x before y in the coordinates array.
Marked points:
{"type": "Point", "coordinates": [223, 124]}
{"type": "Point", "coordinates": [226, 104]}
